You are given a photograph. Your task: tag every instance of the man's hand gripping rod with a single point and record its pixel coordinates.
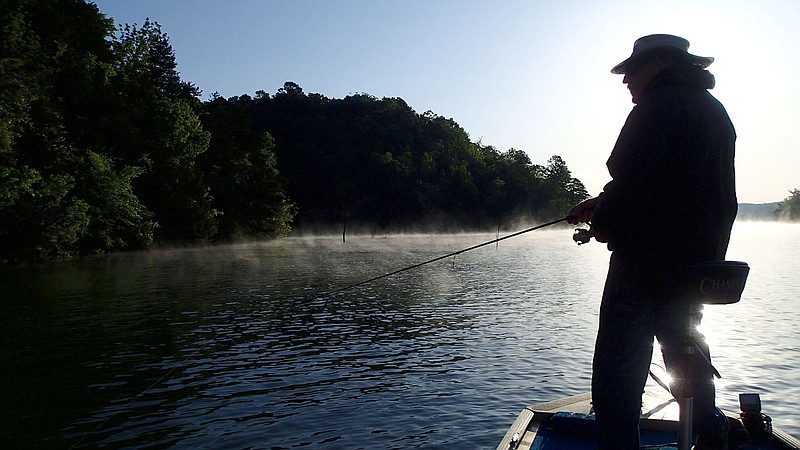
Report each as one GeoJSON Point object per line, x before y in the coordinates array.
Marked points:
{"type": "Point", "coordinates": [583, 212]}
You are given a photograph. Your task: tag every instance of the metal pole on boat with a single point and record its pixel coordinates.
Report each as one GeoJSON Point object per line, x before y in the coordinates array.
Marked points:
{"type": "Point", "coordinates": [686, 399]}
{"type": "Point", "coordinates": [686, 405]}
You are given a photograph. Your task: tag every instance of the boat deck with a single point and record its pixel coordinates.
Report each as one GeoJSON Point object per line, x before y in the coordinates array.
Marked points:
{"type": "Point", "coordinates": [660, 414]}
{"type": "Point", "coordinates": [568, 424]}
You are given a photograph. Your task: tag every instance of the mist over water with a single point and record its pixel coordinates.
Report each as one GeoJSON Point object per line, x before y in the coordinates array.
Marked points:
{"type": "Point", "coordinates": [197, 347]}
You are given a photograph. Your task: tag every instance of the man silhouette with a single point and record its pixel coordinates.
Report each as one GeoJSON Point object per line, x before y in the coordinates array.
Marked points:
{"type": "Point", "coordinates": [671, 202]}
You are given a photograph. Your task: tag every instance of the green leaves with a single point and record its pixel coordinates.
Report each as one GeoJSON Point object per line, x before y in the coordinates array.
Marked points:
{"type": "Point", "coordinates": [241, 171]}
{"type": "Point", "coordinates": [118, 220]}
{"type": "Point", "coordinates": [40, 218]}
{"type": "Point", "coordinates": [98, 135]}
{"type": "Point", "coordinates": [103, 147]}
{"type": "Point", "coordinates": [387, 167]}
{"type": "Point", "coordinates": [145, 57]}
{"type": "Point", "coordinates": [789, 208]}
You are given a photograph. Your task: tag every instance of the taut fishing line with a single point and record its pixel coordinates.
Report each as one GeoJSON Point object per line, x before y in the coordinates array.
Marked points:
{"type": "Point", "coordinates": [320, 295]}
{"type": "Point", "coordinates": [405, 269]}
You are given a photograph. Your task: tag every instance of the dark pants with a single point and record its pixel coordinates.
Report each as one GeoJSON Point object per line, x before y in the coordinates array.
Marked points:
{"type": "Point", "coordinates": [632, 313]}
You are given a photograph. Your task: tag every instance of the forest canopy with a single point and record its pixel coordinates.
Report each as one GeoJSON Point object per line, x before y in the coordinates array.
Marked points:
{"type": "Point", "coordinates": [103, 147]}
{"type": "Point", "coordinates": [789, 208]}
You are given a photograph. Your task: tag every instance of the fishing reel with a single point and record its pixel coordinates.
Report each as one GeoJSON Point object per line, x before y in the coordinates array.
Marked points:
{"type": "Point", "coordinates": [582, 235]}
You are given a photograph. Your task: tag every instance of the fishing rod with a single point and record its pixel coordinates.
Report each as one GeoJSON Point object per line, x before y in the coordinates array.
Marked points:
{"type": "Point", "coordinates": [324, 294]}
{"type": "Point", "coordinates": [414, 266]}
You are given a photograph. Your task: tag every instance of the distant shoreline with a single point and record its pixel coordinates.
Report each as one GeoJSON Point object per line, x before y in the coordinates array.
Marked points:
{"type": "Point", "coordinates": [757, 211]}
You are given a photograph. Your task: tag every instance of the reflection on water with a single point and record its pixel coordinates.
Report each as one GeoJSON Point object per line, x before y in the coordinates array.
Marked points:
{"type": "Point", "coordinates": [755, 340]}
{"type": "Point", "coordinates": [195, 347]}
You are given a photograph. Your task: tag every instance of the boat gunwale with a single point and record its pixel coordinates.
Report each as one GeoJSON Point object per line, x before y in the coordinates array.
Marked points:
{"type": "Point", "coordinates": [527, 423]}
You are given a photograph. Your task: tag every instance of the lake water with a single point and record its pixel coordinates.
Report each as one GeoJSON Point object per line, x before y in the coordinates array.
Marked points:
{"type": "Point", "coordinates": [232, 347]}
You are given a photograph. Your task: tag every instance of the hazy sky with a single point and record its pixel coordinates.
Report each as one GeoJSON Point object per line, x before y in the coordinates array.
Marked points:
{"type": "Point", "coordinates": [532, 75]}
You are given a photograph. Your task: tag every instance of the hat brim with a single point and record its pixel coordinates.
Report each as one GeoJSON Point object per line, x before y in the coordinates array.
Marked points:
{"type": "Point", "coordinates": [700, 61]}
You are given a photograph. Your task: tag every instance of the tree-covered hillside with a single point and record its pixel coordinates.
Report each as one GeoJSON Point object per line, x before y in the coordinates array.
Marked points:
{"type": "Point", "coordinates": [103, 147]}
{"type": "Point", "coordinates": [789, 208]}
{"type": "Point", "coordinates": [384, 166]}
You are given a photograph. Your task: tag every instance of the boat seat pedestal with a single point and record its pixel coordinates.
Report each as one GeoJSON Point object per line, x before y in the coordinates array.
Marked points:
{"type": "Point", "coordinates": [713, 283]}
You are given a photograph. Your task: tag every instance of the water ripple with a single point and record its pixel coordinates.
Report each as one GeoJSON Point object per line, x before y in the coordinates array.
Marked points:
{"type": "Point", "coordinates": [233, 346]}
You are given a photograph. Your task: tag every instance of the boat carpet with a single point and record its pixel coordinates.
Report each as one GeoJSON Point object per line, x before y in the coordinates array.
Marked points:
{"type": "Point", "coordinates": [576, 431]}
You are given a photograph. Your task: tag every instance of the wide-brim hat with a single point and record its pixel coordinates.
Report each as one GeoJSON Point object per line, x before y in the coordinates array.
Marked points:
{"type": "Point", "coordinates": [652, 42]}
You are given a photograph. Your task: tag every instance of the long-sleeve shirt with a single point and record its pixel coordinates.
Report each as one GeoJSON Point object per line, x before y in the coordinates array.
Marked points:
{"type": "Point", "coordinates": [672, 198]}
